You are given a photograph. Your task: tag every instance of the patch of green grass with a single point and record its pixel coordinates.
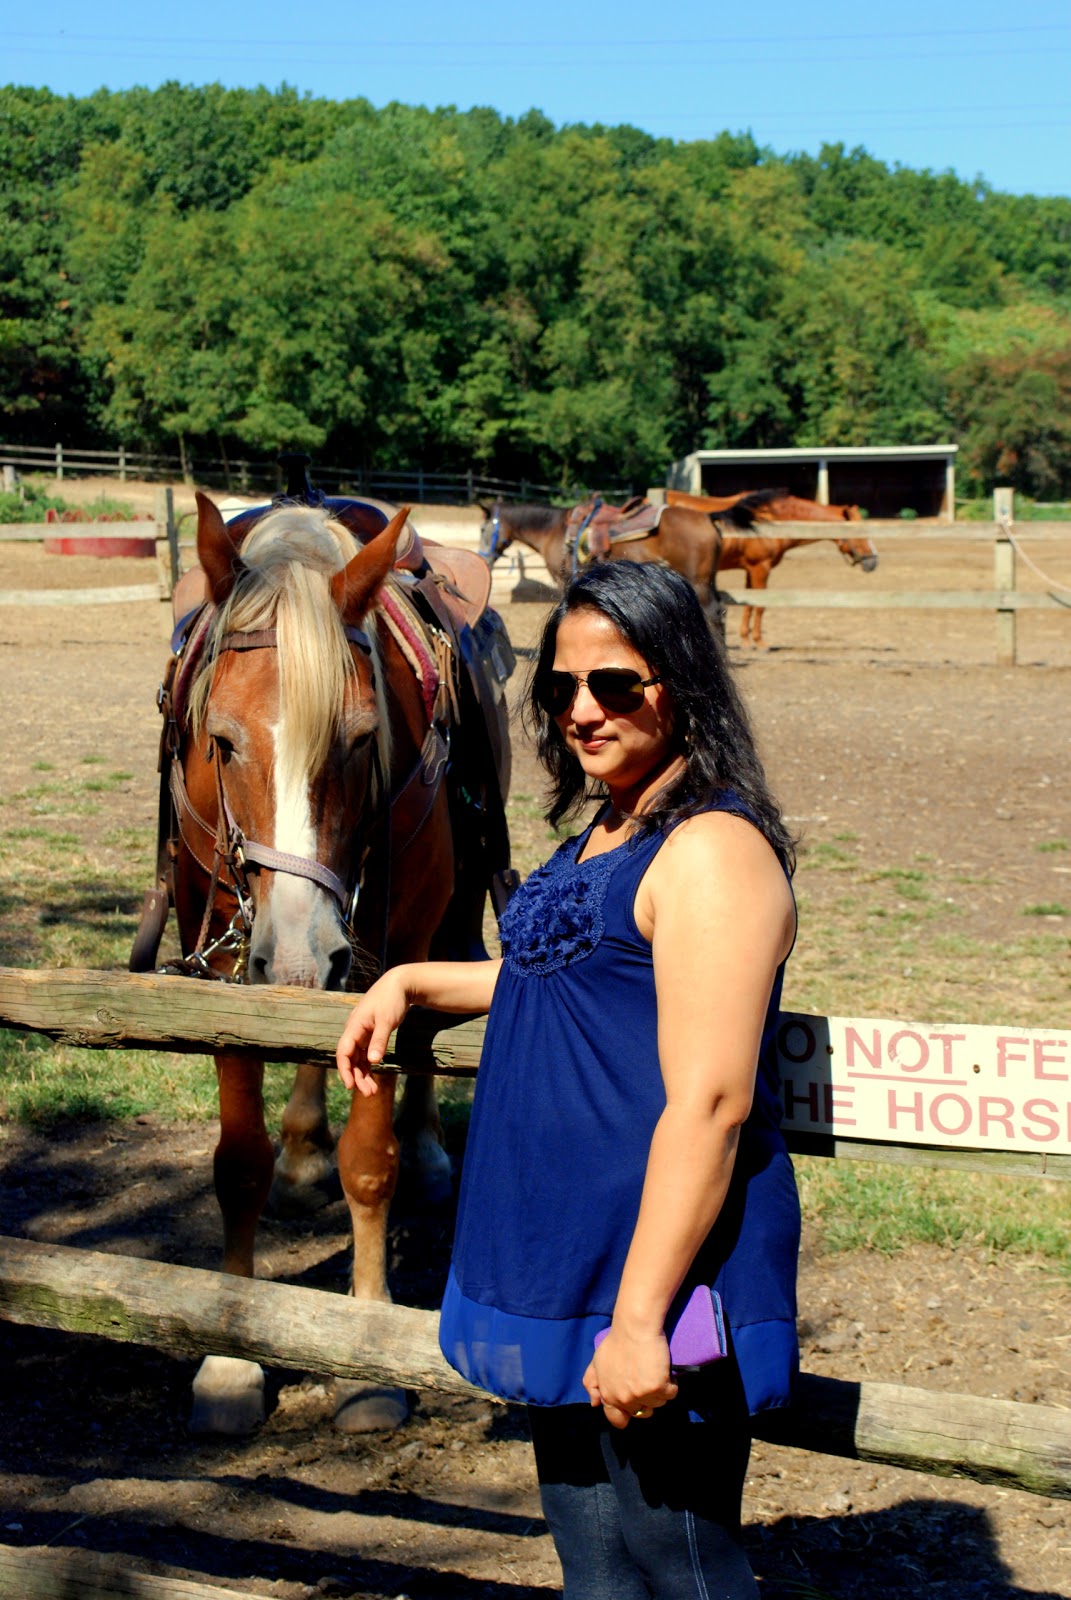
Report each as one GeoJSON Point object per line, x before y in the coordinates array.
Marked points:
{"type": "Point", "coordinates": [863, 1205]}
{"type": "Point", "coordinates": [92, 761]}
{"type": "Point", "coordinates": [125, 838]}
{"type": "Point", "coordinates": [43, 766]}
{"type": "Point", "coordinates": [910, 882]}
{"type": "Point", "coordinates": [45, 836]}
{"type": "Point", "coordinates": [1025, 510]}
{"type": "Point", "coordinates": [1047, 908]}
{"type": "Point", "coordinates": [862, 954]}
{"type": "Point", "coordinates": [107, 784]}
{"type": "Point", "coordinates": [44, 1084]}
{"type": "Point", "coordinates": [824, 854]}
{"type": "Point", "coordinates": [1051, 846]}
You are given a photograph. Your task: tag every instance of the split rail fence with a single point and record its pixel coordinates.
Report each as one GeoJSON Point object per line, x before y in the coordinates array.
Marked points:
{"type": "Point", "coordinates": [266, 475]}
{"type": "Point", "coordinates": [1006, 599]}
{"type": "Point", "coordinates": [980, 1098]}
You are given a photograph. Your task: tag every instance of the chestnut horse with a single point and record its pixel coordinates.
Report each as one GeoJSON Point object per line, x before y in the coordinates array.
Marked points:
{"type": "Point", "coordinates": [759, 554]}
{"type": "Point", "coordinates": [308, 765]}
{"type": "Point", "coordinates": [687, 540]}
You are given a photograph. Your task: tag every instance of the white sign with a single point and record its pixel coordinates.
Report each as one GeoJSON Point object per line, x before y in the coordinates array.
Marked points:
{"type": "Point", "coordinates": [948, 1084]}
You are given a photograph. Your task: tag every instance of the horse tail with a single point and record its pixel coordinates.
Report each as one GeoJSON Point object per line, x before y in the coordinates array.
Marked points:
{"type": "Point", "coordinates": [747, 509]}
{"type": "Point", "coordinates": [758, 499]}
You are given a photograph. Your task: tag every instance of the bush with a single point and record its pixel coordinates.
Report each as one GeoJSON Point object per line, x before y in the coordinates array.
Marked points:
{"type": "Point", "coordinates": [29, 506]}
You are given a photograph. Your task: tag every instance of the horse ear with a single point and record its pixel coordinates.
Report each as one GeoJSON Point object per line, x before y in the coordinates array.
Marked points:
{"type": "Point", "coordinates": [355, 587]}
{"type": "Point", "coordinates": [216, 550]}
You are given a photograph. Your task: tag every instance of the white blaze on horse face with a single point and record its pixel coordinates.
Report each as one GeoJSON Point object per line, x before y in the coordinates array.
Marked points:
{"type": "Point", "coordinates": [294, 899]}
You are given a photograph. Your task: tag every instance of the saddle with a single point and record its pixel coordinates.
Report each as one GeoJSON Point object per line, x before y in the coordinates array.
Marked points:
{"type": "Point", "coordinates": [435, 605]}
{"type": "Point", "coordinates": [593, 528]}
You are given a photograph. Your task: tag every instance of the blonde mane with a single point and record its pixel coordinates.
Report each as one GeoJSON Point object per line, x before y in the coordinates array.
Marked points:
{"type": "Point", "coordinates": [287, 563]}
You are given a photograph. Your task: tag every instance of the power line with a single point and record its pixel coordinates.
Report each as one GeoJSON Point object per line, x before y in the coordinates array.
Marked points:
{"type": "Point", "coordinates": [415, 56]}
{"type": "Point", "coordinates": [602, 44]}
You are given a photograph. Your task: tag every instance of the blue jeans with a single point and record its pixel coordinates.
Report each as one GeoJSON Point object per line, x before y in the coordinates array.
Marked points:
{"type": "Point", "coordinates": [651, 1512]}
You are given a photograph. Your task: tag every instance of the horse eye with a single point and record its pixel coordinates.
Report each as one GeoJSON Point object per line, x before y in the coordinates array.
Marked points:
{"type": "Point", "coordinates": [223, 745]}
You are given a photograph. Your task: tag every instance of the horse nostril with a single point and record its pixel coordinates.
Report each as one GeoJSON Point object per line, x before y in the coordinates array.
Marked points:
{"type": "Point", "coordinates": [338, 967]}
{"type": "Point", "coordinates": [258, 970]}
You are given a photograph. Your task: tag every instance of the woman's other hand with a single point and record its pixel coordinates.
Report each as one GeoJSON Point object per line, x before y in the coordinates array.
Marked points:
{"type": "Point", "coordinates": [368, 1028]}
{"type": "Point", "coordinates": [630, 1377]}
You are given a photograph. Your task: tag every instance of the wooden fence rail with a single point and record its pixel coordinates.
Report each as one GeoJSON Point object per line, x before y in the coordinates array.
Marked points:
{"type": "Point", "coordinates": [1005, 599]}
{"type": "Point", "coordinates": [837, 1072]}
{"type": "Point", "coordinates": [247, 476]}
{"type": "Point", "coordinates": [189, 1312]}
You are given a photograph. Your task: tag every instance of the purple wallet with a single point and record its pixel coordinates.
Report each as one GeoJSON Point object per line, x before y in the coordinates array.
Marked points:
{"type": "Point", "coordinates": [698, 1336]}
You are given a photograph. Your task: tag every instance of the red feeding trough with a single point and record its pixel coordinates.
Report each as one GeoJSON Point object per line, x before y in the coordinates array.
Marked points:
{"type": "Point", "coordinates": [99, 544]}
{"type": "Point", "coordinates": [84, 543]}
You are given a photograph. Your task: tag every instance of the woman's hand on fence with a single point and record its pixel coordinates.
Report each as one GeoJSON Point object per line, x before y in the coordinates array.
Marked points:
{"type": "Point", "coordinates": [630, 1377]}
{"type": "Point", "coordinates": [368, 1028]}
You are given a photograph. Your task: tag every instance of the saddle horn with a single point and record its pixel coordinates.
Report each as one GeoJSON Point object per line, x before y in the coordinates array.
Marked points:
{"type": "Point", "coordinates": [299, 490]}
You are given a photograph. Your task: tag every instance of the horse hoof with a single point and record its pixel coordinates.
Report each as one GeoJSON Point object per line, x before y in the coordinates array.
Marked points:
{"type": "Point", "coordinates": [302, 1189]}
{"type": "Point", "coordinates": [367, 1408]}
{"type": "Point", "coordinates": [228, 1396]}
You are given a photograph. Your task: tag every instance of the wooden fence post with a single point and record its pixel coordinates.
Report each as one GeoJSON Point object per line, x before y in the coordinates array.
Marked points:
{"type": "Point", "coordinates": [122, 463]}
{"type": "Point", "coordinates": [59, 462]}
{"type": "Point", "coordinates": [167, 546]}
{"type": "Point", "coordinates": [1004, 574]}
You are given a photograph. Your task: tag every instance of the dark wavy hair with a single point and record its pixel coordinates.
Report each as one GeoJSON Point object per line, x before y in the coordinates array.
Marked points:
{"type": "Point", "coordinates": [657, 612]}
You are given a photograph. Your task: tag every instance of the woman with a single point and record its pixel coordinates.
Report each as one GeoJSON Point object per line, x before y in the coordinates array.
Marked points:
{"type": "Point", "coordinates": [624, 1144]}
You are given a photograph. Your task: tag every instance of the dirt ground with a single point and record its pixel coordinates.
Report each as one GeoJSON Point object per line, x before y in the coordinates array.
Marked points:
{"type": "Point", "coordinates": [894, 727]}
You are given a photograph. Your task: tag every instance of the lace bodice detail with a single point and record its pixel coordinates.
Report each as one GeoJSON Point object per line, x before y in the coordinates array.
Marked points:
{"type": "Point", "coordinates": [556, 918]}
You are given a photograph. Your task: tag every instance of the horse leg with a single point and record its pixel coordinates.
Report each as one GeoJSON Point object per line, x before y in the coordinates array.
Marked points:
{"type": "Point", "coordinates": [745, 621]}
{"type": "Point", "coordinates": [228, 1394]}
{"type": "Point", "coordinates": [425, 1164]}
{"type": "Point", "coordinates": [305, 1177]}
{"type": "Point", "coordinates": [755, 580]}
{"type": "Point", "coordinates": [368, 1168]}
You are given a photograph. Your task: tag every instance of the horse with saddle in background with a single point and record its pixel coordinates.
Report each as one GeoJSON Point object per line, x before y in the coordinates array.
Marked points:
{"type": "Point", "coordinates": [759, 555]}
{"type": "Point", "coordinates": [569, 538]}
{"type": "Point", "coordinates": [334, 768]}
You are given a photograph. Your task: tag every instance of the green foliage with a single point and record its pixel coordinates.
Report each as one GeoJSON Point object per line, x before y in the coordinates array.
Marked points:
{"type": "Point", "coordinates": [1016, 409]}
{"type": "Point", "coordinates": [240, 270]}
{"type": "Point", "coordinates": [30, 506]}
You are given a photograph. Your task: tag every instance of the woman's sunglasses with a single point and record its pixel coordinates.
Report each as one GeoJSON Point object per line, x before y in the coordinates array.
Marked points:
{"type": "Point", "coordinates": [617, 689]}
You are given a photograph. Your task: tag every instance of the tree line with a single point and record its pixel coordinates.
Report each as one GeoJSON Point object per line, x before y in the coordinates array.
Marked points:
{"type": "Point", "coordinates": [240, 271]}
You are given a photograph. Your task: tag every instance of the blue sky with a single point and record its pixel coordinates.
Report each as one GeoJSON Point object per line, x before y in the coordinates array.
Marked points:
{"type": "Point", "coordinates": [978, 88]}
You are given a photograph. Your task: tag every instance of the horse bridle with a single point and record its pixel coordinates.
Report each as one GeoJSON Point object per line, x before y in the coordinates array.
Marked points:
{"type": "Point", "coordinates": [235, 851]}
{"type": "Point", "coordinates": [494, 548]}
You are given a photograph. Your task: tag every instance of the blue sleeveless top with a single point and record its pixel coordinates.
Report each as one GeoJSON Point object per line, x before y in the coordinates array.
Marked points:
{"type": "Point", "coordinates": [567, 1097]}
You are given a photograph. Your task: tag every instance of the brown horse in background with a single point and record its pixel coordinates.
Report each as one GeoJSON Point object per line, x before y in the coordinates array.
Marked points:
{"type": "Point", "coordinates": [759, 554]}
{"type": "Point", "coordinates": [687, 540]}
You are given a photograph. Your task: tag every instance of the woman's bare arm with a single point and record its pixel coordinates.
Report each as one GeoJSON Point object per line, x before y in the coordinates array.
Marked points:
{"type": "Point", "coordinates": [459, 986]}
